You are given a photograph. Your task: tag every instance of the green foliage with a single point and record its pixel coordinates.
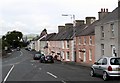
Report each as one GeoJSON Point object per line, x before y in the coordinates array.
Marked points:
{"type": "Point", "coordinates": [12, 39]}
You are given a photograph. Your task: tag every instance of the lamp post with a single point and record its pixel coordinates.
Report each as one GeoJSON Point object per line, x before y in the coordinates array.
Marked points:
{"type": "Point", "coordinates": [73, 42]}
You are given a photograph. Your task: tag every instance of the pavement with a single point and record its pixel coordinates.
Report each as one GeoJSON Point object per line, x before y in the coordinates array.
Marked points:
{"type": "Point", "coordinates": [78, 64]}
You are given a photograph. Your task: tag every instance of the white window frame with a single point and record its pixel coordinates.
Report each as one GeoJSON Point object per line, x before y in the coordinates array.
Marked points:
{"type": "Point", "coordinates": [90, 40]}
{"type": "Point", "coordinates": [84, 55]}
{"type": "Point", "coordinates": [102, 49]}
{"type": "Point", "coordinates": [85, 41]}
{"type": "Point", "coordinates": [102, 32]}
{"type": "Point", "coordinates": [112, 30]}
{"type": "Point", "coordinates": [90, 54]}
{"type": "Point", "coordinates": [67, 56]}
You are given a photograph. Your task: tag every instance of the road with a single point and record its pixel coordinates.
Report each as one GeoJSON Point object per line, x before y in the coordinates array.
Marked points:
{"type": "Point", "coordinates": [20, 66]}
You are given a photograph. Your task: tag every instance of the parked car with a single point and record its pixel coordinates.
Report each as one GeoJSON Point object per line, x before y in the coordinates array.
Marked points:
{"type": "Point", "coordinates": [107, 67]}
{"type": "Point", "coordinates": [37, 56]}
{"type": "Point", "coordinates": [47, 59]}
{"type": "Point", "coordinates": [42, 59]}
{"type": "Point", "coordinates": [26, 48]}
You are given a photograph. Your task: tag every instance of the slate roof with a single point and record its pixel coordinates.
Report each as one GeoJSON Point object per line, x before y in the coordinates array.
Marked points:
{"type": "Point", "coordinates": [79, 29]}
{"type": "Point", "coordinates": [88, 30]}
{"type": "Point", "coordinates": [64, 35]}
{"type": "Point", "coordinates": [48, 37]}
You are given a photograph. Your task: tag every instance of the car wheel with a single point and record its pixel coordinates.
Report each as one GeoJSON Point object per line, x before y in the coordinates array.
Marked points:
{"type": "Point", "coordinates": [92, 73]}
{"type": "Point", "coordinates": [105, 76]}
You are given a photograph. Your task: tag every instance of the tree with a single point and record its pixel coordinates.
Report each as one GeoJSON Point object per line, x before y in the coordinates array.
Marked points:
{"type": "Point", "coordinates": [13, 38]}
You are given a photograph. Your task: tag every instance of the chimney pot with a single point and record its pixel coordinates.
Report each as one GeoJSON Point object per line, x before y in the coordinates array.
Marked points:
{"type": "Point", "coordinates": [107, 10]}
{"type": "Point", "coordinates": [101, 9]}
{"type": "Point", "coordinates": [103, 13]}
{"type": "Point", "coordinates": [104, 9]}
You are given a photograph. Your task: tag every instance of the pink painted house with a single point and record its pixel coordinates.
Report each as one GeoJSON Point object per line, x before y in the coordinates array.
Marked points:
{"type": "Point", "coordinates": [85, 42]}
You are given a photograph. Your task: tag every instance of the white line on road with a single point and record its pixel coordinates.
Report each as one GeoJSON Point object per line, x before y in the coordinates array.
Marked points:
{"type": "Point", "coordinates": [51, 74]}
{"type": "Point", "coordinates": [21, 53]}
{"type": "Point", "coordinates": [8, 74]}
{"type": "Point", "coordinates": [63, 81]}
{"type": "Point", "coordinates": [40, 68]}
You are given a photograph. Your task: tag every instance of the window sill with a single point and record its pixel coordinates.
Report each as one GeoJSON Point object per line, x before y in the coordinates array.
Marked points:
{"type": "Point", "coordinates": [112, 38]}
{"type": "Point", "coordinates": [102, 38]}
{"type": "Point", "coordinates": [90, 60]}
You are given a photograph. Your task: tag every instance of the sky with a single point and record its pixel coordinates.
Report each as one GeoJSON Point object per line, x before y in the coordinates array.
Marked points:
{"type": "Point", "coordinates": [32, 16]}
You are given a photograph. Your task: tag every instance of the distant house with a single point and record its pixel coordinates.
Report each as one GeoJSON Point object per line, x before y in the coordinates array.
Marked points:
{"type": "Point", "coordinates": [107, 35]}
{"type": "Point", "coordinates": [32, 44]}
{"type": "Point", "coordinates": [44, 43]}
{"type": "Point", "coordinates": [36, 42]}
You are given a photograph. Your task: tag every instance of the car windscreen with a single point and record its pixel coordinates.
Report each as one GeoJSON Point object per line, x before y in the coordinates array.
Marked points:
{"type": "Point", "coordinates": [115, 61]}
{"type": "Point", "coordinates": [37, 55]}
{"type": "Point", "coordinates": [49, 57]}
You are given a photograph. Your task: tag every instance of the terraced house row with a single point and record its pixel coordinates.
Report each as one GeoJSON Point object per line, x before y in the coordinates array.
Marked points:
{"type": "Point", "coordinates": [85, 42]}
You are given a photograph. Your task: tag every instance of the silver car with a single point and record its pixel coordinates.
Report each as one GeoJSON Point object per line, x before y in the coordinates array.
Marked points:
{"type": "Point", "coordinates": [107, 67]}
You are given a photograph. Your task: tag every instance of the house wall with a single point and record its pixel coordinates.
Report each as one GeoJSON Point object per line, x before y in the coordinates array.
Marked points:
{"type": "Point", "coordinates": [60, 47]}
{"type": "Point", "coordinates": [82, 49]}
{"type": "Point", "coordinates": [119, 36]}
{"type": "Point", "coordinates": [108, 40]}
{"type": "Point", "coordinates": [56, 47]}
{"type": "Point", "coordinates": [67, 50]}
{"type": "Point", "coordinates": [42, 45]}
{"type": "Point", "coordinates": [36, 46]}
{"type": "Point", "coordinates": [32, 45]}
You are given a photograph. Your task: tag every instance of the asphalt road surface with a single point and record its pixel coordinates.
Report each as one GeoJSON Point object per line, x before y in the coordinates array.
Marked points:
{"type": "Point", "coordinates": [20, 66]}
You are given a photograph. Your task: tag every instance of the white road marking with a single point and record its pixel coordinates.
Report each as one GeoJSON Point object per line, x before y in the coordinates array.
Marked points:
{"type": "Point", "coordinates": [63, 81]}
{"type": "Point", "coordinates": [31, 61]}
{"type": "Point", "coordinates": [8, 53]}
{"type": "Point", "coordinates": [51, 74]}
{"type": "Point", "coordinates": [8, 74]}
{"type": "Point", "coordinates": [21, 53]}
{"type": "Point", "coordinates": [40, 68]}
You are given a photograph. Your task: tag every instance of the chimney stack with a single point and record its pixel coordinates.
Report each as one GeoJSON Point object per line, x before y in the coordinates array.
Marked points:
{"type": "Point", "coordinates": [103, 13]}
{"type": "Point", "coordinates": [90, 20]}
{"type": "Point", "coordinates": [68, 25]}
{"type": "Point", "coordinates": [79, 22]}
{"type": "Point", "coordinates": [118, 3]}
{"type": "Point", "coordinates": [61, 28]}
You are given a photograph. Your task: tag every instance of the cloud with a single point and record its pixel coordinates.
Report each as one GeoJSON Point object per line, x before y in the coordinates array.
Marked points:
{"type": "Point", "coordinates": [31, 16]}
